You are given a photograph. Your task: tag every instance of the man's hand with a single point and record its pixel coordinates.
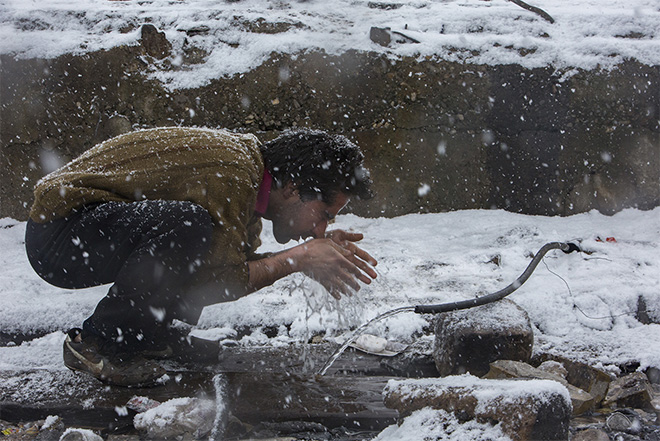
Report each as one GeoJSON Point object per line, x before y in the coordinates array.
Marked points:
{"type": "Point", "coordinates": [336, 262]}
{"type": "Point", "coordinates": [358, 256]}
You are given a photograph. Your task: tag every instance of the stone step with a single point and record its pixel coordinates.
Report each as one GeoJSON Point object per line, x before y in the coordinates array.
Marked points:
{"type": "Point", "coordinates": [265, 385]}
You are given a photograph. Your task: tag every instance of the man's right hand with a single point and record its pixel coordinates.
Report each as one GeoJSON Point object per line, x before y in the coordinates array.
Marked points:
{"type": "Point", "coordinates": [336, 263]}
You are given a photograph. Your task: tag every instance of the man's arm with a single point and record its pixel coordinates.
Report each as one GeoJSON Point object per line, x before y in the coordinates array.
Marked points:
{"type": "Point", "coordinates": [335, 262]}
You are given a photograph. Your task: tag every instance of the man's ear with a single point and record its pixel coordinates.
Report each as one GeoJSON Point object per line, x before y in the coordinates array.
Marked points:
{"type": "Point", "coordinates": [290, 190]}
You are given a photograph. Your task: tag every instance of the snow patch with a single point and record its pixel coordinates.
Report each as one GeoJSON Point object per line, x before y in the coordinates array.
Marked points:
{"type": "Point", "coordinates": [589, 34]}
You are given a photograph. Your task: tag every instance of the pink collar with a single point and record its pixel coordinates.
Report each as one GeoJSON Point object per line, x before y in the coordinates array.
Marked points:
{"type": "Point", "coordinates": [264, 194]}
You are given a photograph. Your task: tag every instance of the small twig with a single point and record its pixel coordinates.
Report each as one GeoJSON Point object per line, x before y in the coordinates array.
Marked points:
{"type": "Point", "coordinates": [534, 9]}
{"type": "Point", "coordinates": [412, 40]}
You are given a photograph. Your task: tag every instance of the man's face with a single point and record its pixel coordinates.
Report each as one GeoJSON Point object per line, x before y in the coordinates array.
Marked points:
{"type": "Point", "coordinates": [300, 219]}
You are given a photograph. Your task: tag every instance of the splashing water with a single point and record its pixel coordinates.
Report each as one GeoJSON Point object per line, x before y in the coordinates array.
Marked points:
{"type": "Point", "coordinates": [322, 312]}
{"type": "Point", "coordinates": [359, 331]}
{"type": "Point", "coordinates": [221, 411]}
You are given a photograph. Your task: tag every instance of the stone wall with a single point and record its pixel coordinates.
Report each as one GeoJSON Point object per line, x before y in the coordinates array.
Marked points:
{"type": "Point", "coordinates": [437, 135]}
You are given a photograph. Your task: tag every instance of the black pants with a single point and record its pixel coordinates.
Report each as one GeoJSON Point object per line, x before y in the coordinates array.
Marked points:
{"type": "Point", "coordinates": [149, 250]}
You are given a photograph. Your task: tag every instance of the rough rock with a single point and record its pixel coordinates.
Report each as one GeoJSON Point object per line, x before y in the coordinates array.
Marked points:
{"type": "Point", "coordinates": [177, 418]}
{"type": "Point", "coordinates": [653, 374]}
{"type": "Point", "coordinates": [624, 421]}
{"type": "Point", "coordinates": [555, 368]}
{"type": "Point", "coordinates": [582, 401]}
{"type": "Point", "coordinates": [381, 36]}
{"type": "Point", "coordinates": [526, 409]}
{"type": "Point", "coordinates": [585, 377]}
{"type": "Point", "coordinates": [384, 5]}
{"type": "Point", "coordinates": [655, 402]}
{"type": "Point", "coordinates": [590, 435]}
{"type": "Point", "coordinates": [263, 26]}
{"type": "Point", "coordinates": [51, 430]}
{"type": "Point", "coordinates": [74, 434]}
{"type": "Point", "coordinates": [469, 340]}
{"type": "Point", "coordinates": [438, 424]}
{"type": "Point", "coordinates": [155, 42]}
{"type": "Point", "coordinates": [633, 390]}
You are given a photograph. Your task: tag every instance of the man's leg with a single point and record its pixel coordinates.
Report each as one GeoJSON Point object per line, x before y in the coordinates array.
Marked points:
{"type": "Point", "coordinates": [149, 249]}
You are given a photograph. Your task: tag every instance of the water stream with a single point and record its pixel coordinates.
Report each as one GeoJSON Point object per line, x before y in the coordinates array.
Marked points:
{"type": "Point", "coordinates": [453, 306]}
{"type": "Point", "coordinates": [359, 331]}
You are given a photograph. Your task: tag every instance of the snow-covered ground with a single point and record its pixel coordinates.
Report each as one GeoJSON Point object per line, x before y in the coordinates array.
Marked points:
{"type": "Point", "coordinates": [586, 34]}
{"type": "Point", "coordinates": [581, 305]}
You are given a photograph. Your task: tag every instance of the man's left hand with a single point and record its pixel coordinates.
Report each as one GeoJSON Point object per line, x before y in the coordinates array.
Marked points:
{"type": "Point", "coordinates": [358, 256]}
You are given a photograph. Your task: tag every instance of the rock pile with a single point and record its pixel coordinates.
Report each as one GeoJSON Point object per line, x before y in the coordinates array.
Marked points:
{"type": "Point", "coordinates": [542, 402]}
{"type": "Point", "coordinates": [525, 410]}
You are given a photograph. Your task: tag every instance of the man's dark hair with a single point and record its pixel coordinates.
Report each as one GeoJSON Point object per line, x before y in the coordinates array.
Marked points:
{"type": "Point", "coordinates": [319, 164]}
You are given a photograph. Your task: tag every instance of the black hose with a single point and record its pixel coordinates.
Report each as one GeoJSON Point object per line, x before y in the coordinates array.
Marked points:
{"type": "Point", "coordinates": [464, 304]}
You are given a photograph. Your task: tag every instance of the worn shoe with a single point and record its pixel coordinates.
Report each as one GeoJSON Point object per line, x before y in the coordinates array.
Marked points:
{"type": "Point", "coordinates": [104, 361]}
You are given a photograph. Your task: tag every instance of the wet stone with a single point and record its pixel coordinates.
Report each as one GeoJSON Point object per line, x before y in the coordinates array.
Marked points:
{"type": "Point", "coordinates": [415, 362]}
{"type": "Point", "coordinates": [469, 340]}
{"type": "Point", "coordinates": [262, 385]}
{"type": "Point", "coordinates": [295, 429]}
{"type": "Point", "coordinates": [624, 421]}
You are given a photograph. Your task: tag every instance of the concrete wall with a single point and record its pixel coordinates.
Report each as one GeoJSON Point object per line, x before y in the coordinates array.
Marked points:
{"type": "Point", "coordinates": [438, 136]}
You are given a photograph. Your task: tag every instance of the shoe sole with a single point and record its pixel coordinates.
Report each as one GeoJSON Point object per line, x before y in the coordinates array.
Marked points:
{"type": "Point", "coordinates": [76, 362]}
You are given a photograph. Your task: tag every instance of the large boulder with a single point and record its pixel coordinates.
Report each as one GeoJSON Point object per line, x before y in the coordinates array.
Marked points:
{"type": "Point", "coordinates": [525, 409]}
{"type": "Point", "coordinates": [469, 340]}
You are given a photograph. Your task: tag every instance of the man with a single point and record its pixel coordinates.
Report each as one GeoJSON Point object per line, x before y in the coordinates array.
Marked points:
{"type": "Point", "coordinates": [171, 217]}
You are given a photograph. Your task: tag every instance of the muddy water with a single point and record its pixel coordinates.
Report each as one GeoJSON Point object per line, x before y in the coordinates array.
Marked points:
{"type": "Point", "coordinates": [261, 386]}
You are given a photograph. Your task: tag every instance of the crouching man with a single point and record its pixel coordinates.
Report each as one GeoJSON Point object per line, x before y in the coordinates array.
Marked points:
{"type": "Point", "coordinates": [171, 217]}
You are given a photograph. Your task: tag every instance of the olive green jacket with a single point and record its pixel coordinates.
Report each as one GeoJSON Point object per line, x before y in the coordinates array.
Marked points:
{"type": "Point", "coordinates": [215, 169]}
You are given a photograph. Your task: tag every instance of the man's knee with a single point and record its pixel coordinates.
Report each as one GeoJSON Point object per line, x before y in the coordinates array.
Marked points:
{"type": "Point", "coordinates": [194, 220]}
